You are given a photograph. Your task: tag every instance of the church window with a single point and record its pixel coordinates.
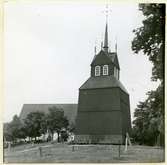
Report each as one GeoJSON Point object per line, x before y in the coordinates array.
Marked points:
{"type": "Point", "coordinates": [105, 70]}
{"type": "Point", "coordinates": [97, 71]}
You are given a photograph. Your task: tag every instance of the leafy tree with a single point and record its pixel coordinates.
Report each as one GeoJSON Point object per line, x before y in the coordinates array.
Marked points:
{"type": "Point", "coordinates": [64, 135]}
{"type": "Point", "coordinates": [7, 133]}
{"type": "Point", "coordinates": [148, 125]}
{"type": "Point", "coordinates": [56, 121]}
{"type": "Point", "coordinates": [150, 39]}
{"type": "Point", "coordinates": [72, 127]}
{"type": "Point", "coordinates": [35, 124]}
{"type": "Point", "coordinates": [156, 114]}
{"type": "Point", "coordinates": [15, 126]}
{"type": "Point", "coordinates": [14, 130]}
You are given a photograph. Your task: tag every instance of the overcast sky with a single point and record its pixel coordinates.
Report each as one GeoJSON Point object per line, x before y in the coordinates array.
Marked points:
{"type": "Point", "coordinates": [49, 47]}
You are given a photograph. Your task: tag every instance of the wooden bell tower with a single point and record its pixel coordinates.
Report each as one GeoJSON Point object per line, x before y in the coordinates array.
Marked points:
{"type": "Point", "coordinates": [103, 106]}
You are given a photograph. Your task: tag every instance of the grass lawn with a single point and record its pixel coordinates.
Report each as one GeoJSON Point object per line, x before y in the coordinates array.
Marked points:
{"type": "Point", "coordinates": [64, 153]}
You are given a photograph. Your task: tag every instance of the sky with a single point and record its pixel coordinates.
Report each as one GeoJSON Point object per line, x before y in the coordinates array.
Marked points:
{"type": "Point", "coordinates": [49, 46]}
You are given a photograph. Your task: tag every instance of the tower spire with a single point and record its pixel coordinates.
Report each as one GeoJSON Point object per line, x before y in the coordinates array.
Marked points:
{"type": "Point", "coordinates": [106, 39]}
{"type": "Point", "coordinates": [105, 47]}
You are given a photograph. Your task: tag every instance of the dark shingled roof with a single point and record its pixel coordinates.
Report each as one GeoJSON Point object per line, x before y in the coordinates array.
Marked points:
{"type": "Point", "coordinates": [70, 110]}
{"type": "Point", "coordinates": [102, 82]}
{"type": "Point", "coordinates": [114, 58]}
{"type": "Point", "coordinates": [109, 57]}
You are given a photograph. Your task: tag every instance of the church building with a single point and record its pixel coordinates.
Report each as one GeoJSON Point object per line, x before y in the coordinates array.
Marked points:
{"type": "Point", "coordinates": [103, 106]}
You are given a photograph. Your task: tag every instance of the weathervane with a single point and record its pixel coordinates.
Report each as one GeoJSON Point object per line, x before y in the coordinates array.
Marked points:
{"type": "Point", "coordinates": [106, 11]}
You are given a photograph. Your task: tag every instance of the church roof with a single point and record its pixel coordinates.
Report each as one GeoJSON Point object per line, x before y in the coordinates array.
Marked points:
{"type": "Point", "coordinates": [105, 58]}
{"type": "Point", "coordinates": [103, 82]}
{"type": "Point", "coordinates": [70, 110]}
{"type": "Point", "coordinates": [114, 58]}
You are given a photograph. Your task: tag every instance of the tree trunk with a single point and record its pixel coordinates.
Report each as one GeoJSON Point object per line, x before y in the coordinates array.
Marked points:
{"type": "Point", "coordinates": [58, 139]}
{"type": "Point", "coordinates": [52, 134]}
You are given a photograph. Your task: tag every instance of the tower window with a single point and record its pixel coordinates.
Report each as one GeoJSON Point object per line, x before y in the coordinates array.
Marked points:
{"type": "Point", "coordinates": [97, 71]}
{"type": "Point", "coordinates": [105, 70]}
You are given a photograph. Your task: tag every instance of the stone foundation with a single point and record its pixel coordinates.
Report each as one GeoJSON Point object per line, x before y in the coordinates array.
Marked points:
{"type": "Point", "coordinates": [98, 139]}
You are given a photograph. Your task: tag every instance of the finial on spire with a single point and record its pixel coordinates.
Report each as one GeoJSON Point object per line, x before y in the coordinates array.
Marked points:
{"type": "Point", "coordinates": [106, 11]}
{"type": "Point", "coordinates": [116, 45]}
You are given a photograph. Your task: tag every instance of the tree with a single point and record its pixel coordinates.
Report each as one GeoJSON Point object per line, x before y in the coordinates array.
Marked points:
{"type": "Point", "coordinates": [14, 130]}
{"type": "Point", "coordinates": [35, 124]}
{"type": "Point", "coordinates": [156, 112]}
{"type": "Point", "coordinates": [64, 135]}
{"type": "Point", "coordinates": [72, 127]}
{"type": "Point", "coordinates": [7, 133]}
{"type": "Point", "coordinates": [148, 125]}
{"type": "Point", "coordinates": [150, 39]}
{"type": "Point", "coordinates": [56, 121]}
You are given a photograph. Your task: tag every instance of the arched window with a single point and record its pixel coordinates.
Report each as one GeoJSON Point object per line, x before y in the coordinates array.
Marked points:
{"type": "Point", "coordinates": [97, 70]}
{"type": "Point", "coordinates": [105, 70]}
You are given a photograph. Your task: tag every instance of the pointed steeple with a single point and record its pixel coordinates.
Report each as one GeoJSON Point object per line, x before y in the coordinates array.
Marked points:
{"type": "Point", "coordinates": [106, 39]}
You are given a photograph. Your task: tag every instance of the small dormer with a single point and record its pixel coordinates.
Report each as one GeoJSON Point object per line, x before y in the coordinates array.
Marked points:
{"type": "Point", "coordinates": [105, 64]}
